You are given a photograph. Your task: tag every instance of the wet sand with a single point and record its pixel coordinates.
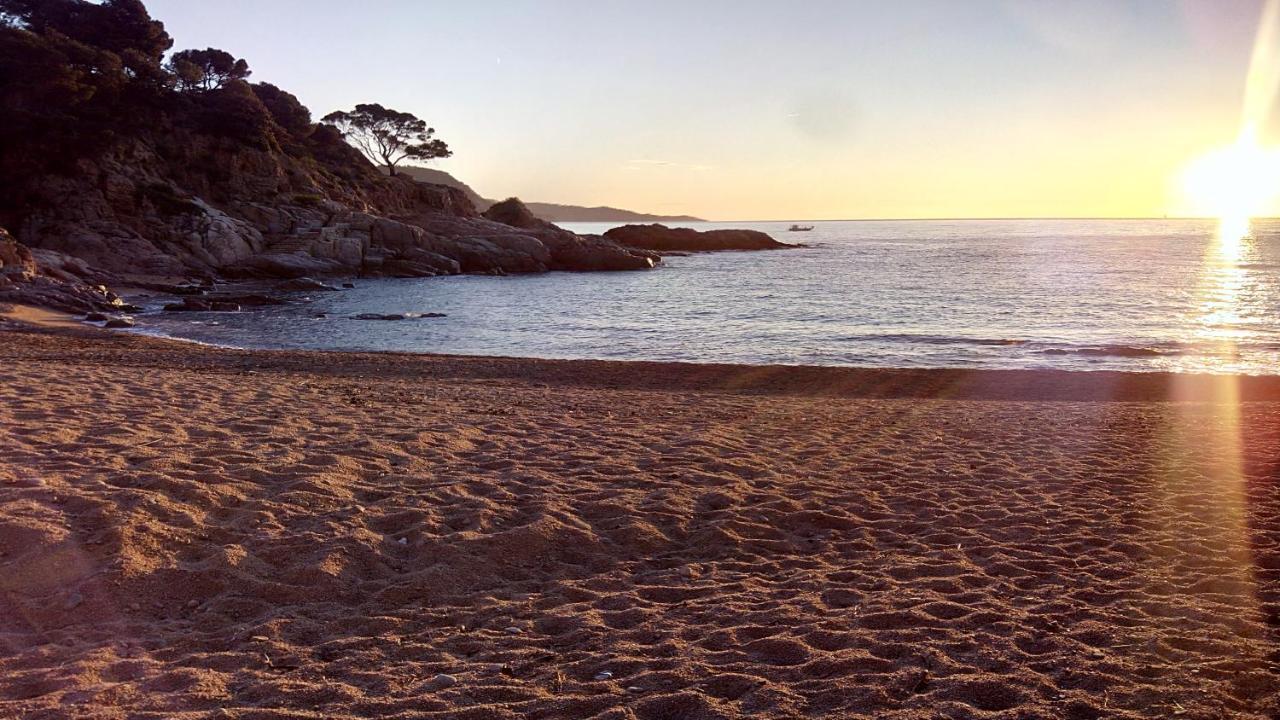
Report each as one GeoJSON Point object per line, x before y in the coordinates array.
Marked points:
{"type": "Point", "coordinates": [198, 533]}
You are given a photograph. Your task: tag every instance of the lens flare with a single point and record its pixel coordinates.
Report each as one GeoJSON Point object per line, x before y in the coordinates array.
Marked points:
{"type": "Point", "coordinates": [1242, 180]}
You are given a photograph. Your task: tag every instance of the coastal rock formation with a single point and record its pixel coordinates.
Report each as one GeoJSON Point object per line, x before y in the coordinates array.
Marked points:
{"type": "Point", "coordinates": [15, 258]}
{"type": "Point", "coordinates": [50, 279]}
{"type": "Point", "coordinates": [660, 238]}
{"type": "Point", "coordinates": [118, 173]}
{"type": "Point", "coordinates": [568, 251]}
{"type": "Point", "coordinates": [116, 218]}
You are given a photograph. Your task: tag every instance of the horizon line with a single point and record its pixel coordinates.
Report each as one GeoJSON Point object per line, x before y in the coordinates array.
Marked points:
{"type": "Point", "coordinates": [1029, 217]}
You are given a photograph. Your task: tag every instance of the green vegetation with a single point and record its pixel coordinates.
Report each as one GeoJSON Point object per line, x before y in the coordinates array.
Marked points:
{"type": "Point", "coordinates": [388, 136]}
{"type": "Point", "coordinates": [79, 79]}
{"type": "Point", "coordinates": [207, 69]}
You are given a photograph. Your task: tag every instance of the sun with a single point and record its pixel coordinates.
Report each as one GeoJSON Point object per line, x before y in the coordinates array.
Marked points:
{"type": "Point", "coordinates": [1234, 183]}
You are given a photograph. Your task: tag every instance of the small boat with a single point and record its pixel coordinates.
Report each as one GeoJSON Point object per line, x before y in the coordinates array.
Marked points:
{"type": "Point", "coordinates": [800, 228]}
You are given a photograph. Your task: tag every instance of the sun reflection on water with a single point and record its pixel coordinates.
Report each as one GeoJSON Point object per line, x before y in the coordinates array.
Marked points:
{"type": "Point", "coordinates": [1210, 440]}
{"type": "Point", "coordinates": [1222, 315]}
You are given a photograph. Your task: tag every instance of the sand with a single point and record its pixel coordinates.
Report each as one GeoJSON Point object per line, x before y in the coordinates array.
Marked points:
{"type": "Point", "coordinates": [198, 533]}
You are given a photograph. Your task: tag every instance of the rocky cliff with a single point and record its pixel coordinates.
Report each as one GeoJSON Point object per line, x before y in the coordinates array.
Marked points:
{"type": "Point", "coordinates": [182, 204]}
{"type": "Point", "coordinates": [113, 172]}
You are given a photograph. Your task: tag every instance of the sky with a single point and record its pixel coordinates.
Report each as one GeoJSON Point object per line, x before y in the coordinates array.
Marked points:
{"type": "Point", "coordinates": [749, 109]}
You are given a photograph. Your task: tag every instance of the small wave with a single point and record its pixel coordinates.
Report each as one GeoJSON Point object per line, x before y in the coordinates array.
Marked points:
{"type": "Point", "coordinates": [1150, 350]}
{"type": "Point", "coordinates": [1132, 351]}
{"type": "Point", "coordinates": [938, 340]}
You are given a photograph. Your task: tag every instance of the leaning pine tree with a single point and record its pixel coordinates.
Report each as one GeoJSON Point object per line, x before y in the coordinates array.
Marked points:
{"type": "Point", "coordinates": [387, 136]}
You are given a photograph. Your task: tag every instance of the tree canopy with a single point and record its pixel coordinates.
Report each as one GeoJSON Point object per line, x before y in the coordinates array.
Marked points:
{"type": "Point", "coordinates": [117, 26]}
{"type": "Point", "coordinates": [386, 136]}
{"type": "Point", "coordinates": [207, 69]}
{"type": "Point", "coordinates": [79, 76]}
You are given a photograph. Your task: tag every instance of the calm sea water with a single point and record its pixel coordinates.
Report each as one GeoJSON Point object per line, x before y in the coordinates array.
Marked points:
{"type": "Point", "coordinates": [1075, 294]}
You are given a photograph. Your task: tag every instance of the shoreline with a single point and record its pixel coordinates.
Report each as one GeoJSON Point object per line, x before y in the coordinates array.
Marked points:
{"type": "Point", "coordinates": [798, 380]}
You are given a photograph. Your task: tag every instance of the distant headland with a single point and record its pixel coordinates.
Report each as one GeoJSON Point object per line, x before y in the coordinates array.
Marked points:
{"type": "Point", "coordinates": [551, 212]}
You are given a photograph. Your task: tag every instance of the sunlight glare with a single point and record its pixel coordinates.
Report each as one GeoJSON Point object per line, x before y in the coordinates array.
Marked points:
{"type": "Point", "coordinates": [1234, 183]}
{"type": "Point", "coordinates": [1242, 181]}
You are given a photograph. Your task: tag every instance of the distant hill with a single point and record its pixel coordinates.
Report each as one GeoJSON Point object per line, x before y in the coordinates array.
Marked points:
{"type": "Point", "coordinates": [440, 177]}
{"type": "Point", "coordinates": [551, 212]}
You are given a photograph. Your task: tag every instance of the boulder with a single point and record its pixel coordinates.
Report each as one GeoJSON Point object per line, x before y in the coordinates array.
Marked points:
{"type": "Point", "coordinates": [569, 251]}
{"type": "Point", "coordinates": [224, 303]}
{"type": "Point", "coordinates": [415, 262]}
{"type": "Point", "coordinates": [513, 212]}
{"type": "Point", "coordinates": [15, 258]}
{"type": "Point", "coordinates": [660, 238]}
{"type": "Point", "coordinates": [285, 265]}
{"type": "Point", "coordinates": [49, 279]}
{"type": "Point", "coordinates": [75, 297]}
{"type": "Point", "coordinates": [397, 316]}
{"type": "Point", "coordinates": [305, 284]}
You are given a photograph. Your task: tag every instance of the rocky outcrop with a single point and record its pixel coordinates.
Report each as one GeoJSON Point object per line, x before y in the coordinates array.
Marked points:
{"type": "Point", "coordinates": [660, 238]}
{"type": "Point", "coordinates": [135, 215]}
{"type": "Point", "coordinates": [566, 250]}
{"type": "Point", "coordinates": [15, 258]}
{"type": "Point", "coordinates": [50, 279]}
{"type": "Point", "coordinates": [115, 170]}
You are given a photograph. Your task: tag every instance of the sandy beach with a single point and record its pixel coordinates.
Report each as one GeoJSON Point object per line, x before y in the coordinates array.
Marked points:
{"type": "Point", "coordinates": [197, 533]}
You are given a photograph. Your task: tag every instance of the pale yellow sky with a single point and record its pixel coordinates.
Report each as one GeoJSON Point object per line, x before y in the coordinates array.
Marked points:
{"type": "Point", "coordinates": [755, 109]}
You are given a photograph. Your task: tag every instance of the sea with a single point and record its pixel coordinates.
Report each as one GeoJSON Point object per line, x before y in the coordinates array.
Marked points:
{"type": "Point", "coordinates": [1130, 295]}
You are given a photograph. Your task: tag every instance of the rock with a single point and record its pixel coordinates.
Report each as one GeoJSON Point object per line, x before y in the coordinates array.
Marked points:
{"type": "Point", "coordinates": [397, 316]}
{"type": "Point", "coordinates": [195, 305]}
{"type": "Point", "coordinates": [603, 675]}
{"type": "Point", "coordinates": [70, 296]}
{"type": "Point", "coordinates": [73, 601]}
{"type": "Point", "coordinates": [441, 682]}
{"type": "Point", "coordinates": [224, 303]}
{"type": "Point", "coordinates": [417, 262]}
{"type": "Point", "coordinates": [661, 238]}
{"type": "Point", "coordinates": [285, 265]}
{"type": "Point", "coordinates": [349, 286]}
{"type": "Point", "coordinates": [96, 317]}
{"type": "Point", "coordinates": [121, 322]}
{"type": "Point", "coordinates": [513, 630]}
{"type": "Point", "coordinates": [15, 258]}
{"type": "Point", "coordinates": [248, 299]}
{"type": "Point", "coordinates": [304, 284]}
{"type": "Point", "coordinates": [169, 199]}
{"type": "Point", "coordinates": [595, 253]}
{"type": "Point", "coordinates": [567, 250]}
{"type": "Point", "coordinates": [514, 213]}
